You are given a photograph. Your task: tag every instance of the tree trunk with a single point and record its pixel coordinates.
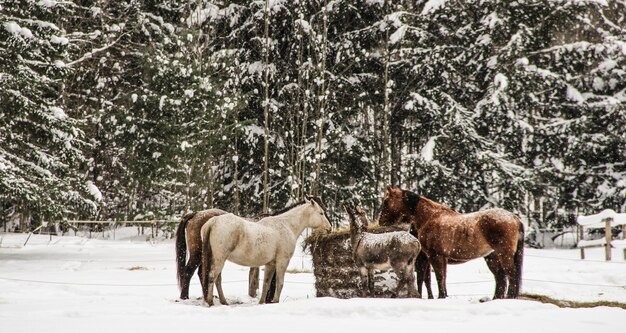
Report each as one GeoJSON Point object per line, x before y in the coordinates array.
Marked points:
{"type": "Point", "coordinates": [266, 102]}
{"type": "Point", "coordinates": [386, 163]}
{"type": "Point", "coordinates": [321, 102]}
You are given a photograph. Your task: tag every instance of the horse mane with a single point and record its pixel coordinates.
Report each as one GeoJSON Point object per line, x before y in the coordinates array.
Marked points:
{"type": "Point", "coordinates": [411, 199]}
{"type": "Point", "coordinates": [315, 198]}
{"type": "Point", "coordinates": [439, 206]}
{"type": "Point", "coordinates": [284, 210]}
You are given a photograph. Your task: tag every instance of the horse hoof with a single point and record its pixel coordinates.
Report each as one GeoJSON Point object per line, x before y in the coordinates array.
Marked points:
{"type": "Point", "coordinates": [484, 299]}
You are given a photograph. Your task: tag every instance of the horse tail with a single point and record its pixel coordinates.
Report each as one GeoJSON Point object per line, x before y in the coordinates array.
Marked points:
{"type": "Point", "coordinates": [181, 248]}
{"type": "Point", "coordinates": [518, 258]}
{"type": "Point", "coordinates": [207, 258]}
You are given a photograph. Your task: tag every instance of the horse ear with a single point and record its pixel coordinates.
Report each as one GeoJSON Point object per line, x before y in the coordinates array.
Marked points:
{"type": "Point", "coordinates": [389, 188]}
{"type": "Point", "coordinates": [349, 212]}
{"type": "Point", "coordinates": [359, 210]}
{"type": "Point", "coordinates": [346, 208]}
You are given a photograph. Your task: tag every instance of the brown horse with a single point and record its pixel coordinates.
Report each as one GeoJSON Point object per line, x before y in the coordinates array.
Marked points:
{"type": "Point", "coordinates": [191, 224]}
{"type": "Point", "coordinates": [447, 236]}
{"type": "Point", "coordinates": [192, 242]}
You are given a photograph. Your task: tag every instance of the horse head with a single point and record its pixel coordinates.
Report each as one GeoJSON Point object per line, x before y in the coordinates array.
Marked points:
{"type": "Point", "coordinates": [397, 204]}
{"type": "Point", "coordinates": [356, 228]}
{"type": "Point", "coordinates": [351, 218]}
{"type": "Point", "coordinates": [362, 216]}
{"type": "Point", "coordinates": [318, 217]}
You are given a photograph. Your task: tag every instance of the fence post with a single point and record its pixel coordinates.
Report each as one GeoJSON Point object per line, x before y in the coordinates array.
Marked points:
{"type": "Point", "coordinates": [582, 253]}
{"type": "Point", "coordinates": [607, 235]}
{"type": "Point", "coordinates": [579, 235]}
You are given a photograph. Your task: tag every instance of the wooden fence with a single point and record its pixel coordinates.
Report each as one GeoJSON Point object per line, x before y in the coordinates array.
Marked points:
{"type": "Point", "coordinates": [154, 225]}
{"type": "Point", "coordinates": [607, 219]}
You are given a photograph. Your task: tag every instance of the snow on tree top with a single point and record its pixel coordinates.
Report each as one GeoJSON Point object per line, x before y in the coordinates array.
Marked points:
{"type": "Point", "coordinates": [398, 35]}
{"type": "Point", "coordinates": [374, 2]}
{"type": "Point", "coordinates": [94, 191]}
{"type": "Point", "coordinates": [432, 5]}
{"type": "Point", "coordinates": [58, 112]}
{"type": "Point", "coordinates": [200, 15]}
{"type": "Point", "coordinates": [47, 3]}
{"type": "Point", "coordinates": [427, 151]}
{"type": "Point", "coordinates": [16, 30]}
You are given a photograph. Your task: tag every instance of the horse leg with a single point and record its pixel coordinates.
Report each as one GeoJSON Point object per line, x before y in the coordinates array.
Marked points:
{"type": "Point", "coordinates": [401, 275]}
{"type": "Point", "coordinates": [370, 282]}
{"type": "Point", "coordinates": [440, 264]}
{"type": "Point", "coordinates": [427, 281]}
{"type": "Point", "coordinates": [192, 265]}
{"type": "Point", "coordinates": [269, 270]}
{"type": "Point", "coordinates": [220, 292]}
{"type": "Point", "coordinates": [410, 277]}
{"type": "Point", "coordinates": [498, 273]}
{"type": "Point", "coordinates": [406, 273]}
{"type": "Point", "coordinates": [509, 271]}
{"type": "Point", "coordinates": [271, 290]}
{"type": "Point", "coordinates": [281, 269]}
{"type": "Point", "coordinates": [214, 274]}
{"type": "Point", "coordinates": [253, 281]}
{"type": "Point", "coordinates": [364, 285]}
{"type": "Point", "coordinates": [422, 269]}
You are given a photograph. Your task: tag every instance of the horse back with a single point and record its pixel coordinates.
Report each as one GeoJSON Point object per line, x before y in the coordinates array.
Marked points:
{"type": "Point", "coordinates": [380, 250]}
{"type": "Point", "coordinates": [499, 227]}
{"type": "Point", "coordinates": [241, 241]}
{"type": "Point", "coordinates": [194, 239]}
{"type": "Point", "coordinates": [467, 236]}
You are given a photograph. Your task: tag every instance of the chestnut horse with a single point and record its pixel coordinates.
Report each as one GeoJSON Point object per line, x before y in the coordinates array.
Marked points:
{"type": "Point", "coordinates": [447, 236]}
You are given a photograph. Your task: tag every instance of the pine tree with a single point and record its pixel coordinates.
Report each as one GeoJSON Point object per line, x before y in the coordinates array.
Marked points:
{"type": "Point", "coordinates": [40, 142]}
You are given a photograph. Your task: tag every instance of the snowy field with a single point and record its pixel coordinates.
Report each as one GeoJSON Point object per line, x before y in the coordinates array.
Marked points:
{"type": "Point", "coordinates": [74, 284]}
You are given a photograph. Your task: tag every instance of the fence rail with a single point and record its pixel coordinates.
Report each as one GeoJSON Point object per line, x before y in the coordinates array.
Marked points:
{"type": "Point", "coordinates": [153, 224]}
{"type": "Point", "coordinates": [287, 282]}
{"type": "Point", "coordinates": [122, 222]}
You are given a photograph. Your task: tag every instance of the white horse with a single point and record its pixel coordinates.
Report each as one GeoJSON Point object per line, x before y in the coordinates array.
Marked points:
{"type": "Point", "coordinates": [271, 242]}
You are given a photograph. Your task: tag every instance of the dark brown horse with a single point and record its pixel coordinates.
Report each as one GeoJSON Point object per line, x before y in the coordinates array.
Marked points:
{"type": "Point", "coordinates": [188, 239]}
{"type": "Point", "coordinates": [447, 236]}
{"type": "Point", "coordinates": [190, 225]}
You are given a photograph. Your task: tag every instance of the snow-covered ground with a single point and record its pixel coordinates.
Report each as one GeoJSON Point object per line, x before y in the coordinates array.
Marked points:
{"type": "Point", "coordinates": [74, 284]}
